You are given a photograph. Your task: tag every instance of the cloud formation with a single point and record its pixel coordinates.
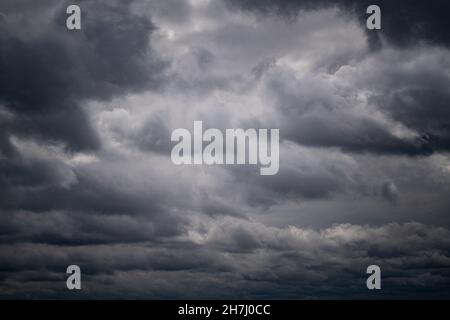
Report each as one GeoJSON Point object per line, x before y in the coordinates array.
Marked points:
{"type": "Point", "coordinates": [85, 170]}
{"type": "Point", "coordinates": [47, 72]}
{"type": "Point", "coordinates": [245, 259]}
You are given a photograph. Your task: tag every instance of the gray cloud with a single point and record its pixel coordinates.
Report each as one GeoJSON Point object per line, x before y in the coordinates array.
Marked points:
{"type": "Point", "coordinates": [48, 71]}
{"type": "Point", "coordinates": [246, 260]}
{"type": "Point", "coordinates": [86, 176]}
{"type": "Point", "coordinates": [404, 22]}
{"type": "Point", "coordinates": [325, 110]}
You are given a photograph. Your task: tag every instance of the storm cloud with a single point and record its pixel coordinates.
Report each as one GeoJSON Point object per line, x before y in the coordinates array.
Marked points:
{"type": "Point", "coordinates": [404, 22]}
{"type": "Point", "coordinates": [47, 72]}
{"type": "Point", "coordinates": [86, 176]}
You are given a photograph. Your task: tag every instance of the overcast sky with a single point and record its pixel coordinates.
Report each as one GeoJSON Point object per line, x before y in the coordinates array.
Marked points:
{"type": "Point", "coordinates": [86, 176]}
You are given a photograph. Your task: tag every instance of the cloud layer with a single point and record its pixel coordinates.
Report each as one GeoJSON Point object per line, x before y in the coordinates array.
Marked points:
{"type": "Point", "coordinates": [85, 170]}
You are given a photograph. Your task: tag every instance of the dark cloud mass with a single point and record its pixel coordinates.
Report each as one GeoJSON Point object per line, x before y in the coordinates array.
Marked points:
{"type": "Point", "coordinates": [404, 22]}
{"type": "Point", "coordinates": [86, 176]}
{"type": "Point", "coordinates": [406, 94]}
{"type": "Point", "coordinates": [237, 259]}
{"type": "Point", "coordinates": [48, 72]}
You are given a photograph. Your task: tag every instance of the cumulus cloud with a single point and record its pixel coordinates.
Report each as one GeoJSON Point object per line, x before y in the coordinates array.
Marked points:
{"type": "Point", "coordinates": [47, 72]}
{"type": "Point", "coordinates": [244, 259]}
{"type": "Point", "coordinates": [85, 168]}
{"type": "Point", "coordinates": [404, 22]}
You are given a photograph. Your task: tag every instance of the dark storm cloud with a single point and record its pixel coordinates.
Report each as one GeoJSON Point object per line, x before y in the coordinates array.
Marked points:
{"type": "Point", "coordinates": [416, 93]}
{"type": "Point", "coordinates": [290, 182]}
{"type": "Point", "coordinates": [404, 22]}
{"type": "Point", "coordinates": [421, 101]}
{"type": "Point", "coordinates": [244, 260]}
{"type": "Point", "coordinates": [352, 134]}
{"type": "Point", "coordinates": [47, 74]}
{"type": "Point", "coordinates": [81, 228]}
{"type": "Point", "coordinates": [417, 98]}
{"type": "Point", "coordinates": [140, 227]}
{"type": "Point", "coordinates": [409, 87]}
{"type": "Point", "coordinates": [42, 184]}
{"type": "Point", "coordinates": [47, 71]}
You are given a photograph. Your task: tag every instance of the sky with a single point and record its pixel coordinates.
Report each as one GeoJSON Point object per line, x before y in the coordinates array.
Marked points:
{"type": "Point", "coordinates": [86, 176]}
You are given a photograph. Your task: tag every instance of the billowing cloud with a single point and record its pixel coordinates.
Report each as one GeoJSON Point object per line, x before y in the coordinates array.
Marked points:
{"type": "Point", "coordinates": [47, 71]}
{"type": "Point", "coordinates": [404, 22]}
{"type": "Point", "coordinates": [86, 176]}
{"type": "Point", "coordinates": [244, 260]}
